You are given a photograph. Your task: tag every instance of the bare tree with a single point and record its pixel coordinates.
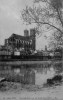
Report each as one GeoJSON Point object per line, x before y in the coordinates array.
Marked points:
{"type": "Point", "coordinates": [48, 15]}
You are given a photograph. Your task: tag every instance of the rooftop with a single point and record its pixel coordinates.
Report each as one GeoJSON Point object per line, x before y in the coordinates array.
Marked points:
{"type": "Point", "coordinates": [19, 36]}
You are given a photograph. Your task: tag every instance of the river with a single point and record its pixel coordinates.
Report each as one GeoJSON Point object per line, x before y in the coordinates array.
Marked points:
{"type": "Point", "coordinates": [36, 75]}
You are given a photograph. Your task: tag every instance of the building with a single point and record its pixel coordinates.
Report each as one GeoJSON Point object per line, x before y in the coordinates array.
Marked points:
{"type": "Point", "coordinates": [26, 42]}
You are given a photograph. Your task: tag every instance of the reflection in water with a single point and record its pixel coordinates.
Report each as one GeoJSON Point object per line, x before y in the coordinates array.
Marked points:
{"type": "Point", "coordinates": [17, 70]}
{"type": "Point", "coordinates": [33, 74]}
{"type": "Point", "coordinates": [41, 78]}
{"type": "Point", "coordinates": [58, 68]}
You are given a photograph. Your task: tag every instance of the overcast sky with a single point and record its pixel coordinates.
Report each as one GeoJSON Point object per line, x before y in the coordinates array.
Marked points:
{"type": "Point", "coordinates": [10, 21]}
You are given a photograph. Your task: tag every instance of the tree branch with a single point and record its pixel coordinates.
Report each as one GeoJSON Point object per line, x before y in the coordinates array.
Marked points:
{"type": "Point", "coordinates": [57, 10]}
{"type": "Point", "coordinates": [59, 17]}
{"type": "Point", "coordinates": [35, 21]}
{"type": "Point", "coordinates": [49, 25]}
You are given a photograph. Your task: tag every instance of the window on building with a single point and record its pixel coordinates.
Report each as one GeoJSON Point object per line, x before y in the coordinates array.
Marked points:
{"type": "Point", "coordinates": [23, 42]}
{"type": "Point", "coordinates": [20, 41]}
{"type": "Point", "coordinates": [30, 42]}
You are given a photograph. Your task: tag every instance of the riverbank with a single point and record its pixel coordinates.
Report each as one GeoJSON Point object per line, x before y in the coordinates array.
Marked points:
{"type": "Point", "coordinates": [18, 92]}
{"type": "Point", "coordinates": [16, 63]}
{"type": "Point", "coordinates": [19, 62]}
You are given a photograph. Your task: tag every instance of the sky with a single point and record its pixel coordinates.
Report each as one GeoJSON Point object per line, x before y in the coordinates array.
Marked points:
{"type": "Point", "coordinates": [11, 21]}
